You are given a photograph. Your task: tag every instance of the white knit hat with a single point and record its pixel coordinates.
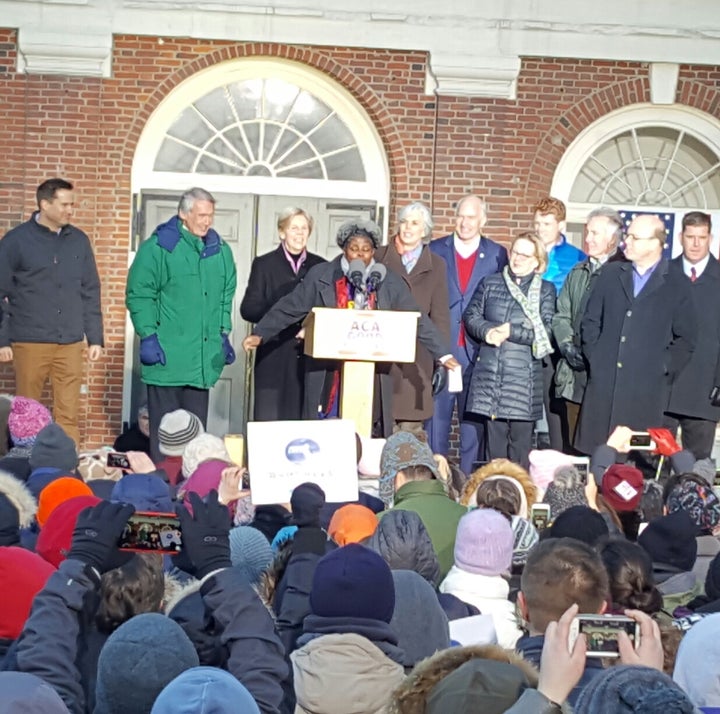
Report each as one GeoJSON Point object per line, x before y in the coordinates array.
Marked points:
{"type": "Point", "coordinates": [177, 429]}
{"type": "Point", "coordinates": [203, 448]}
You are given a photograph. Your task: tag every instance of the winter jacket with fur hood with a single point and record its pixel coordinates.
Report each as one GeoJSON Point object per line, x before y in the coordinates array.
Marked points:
{"type": "Point", "coordinates": [501, 467]}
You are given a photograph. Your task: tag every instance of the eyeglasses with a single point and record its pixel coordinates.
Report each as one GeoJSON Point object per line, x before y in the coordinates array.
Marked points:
{"type": "Point", "coordinates": [526, 256]}
{"type": "Point", "coordinates": [633, 237]}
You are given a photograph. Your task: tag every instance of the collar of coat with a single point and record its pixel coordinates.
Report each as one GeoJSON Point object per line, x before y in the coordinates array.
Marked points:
{"type": "Point", "coordinates": [169, 235]}
{"type": "Point", "coordinates": [431, 487]}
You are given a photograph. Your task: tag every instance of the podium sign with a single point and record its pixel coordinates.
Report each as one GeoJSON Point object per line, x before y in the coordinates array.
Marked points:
{"type": "Point", "coordinates": [359, 338]}
{"type": "Point", "coordinates": [366, 335]}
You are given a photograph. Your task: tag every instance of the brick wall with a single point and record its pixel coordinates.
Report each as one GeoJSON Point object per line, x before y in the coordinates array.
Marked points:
{"type": "Point", "coordinates": [86, 129]}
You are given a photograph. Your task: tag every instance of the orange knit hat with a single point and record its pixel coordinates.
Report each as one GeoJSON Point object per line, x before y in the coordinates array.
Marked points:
{"type": "Point", "coordinates": [57, 492]}
{"type": "Point", "coordinates": [352, 524]}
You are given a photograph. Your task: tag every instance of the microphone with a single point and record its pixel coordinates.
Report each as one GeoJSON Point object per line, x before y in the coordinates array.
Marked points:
{"type": "Point", "coordinates": [377, 275]}
{"type": "Point", "coordinates": [356, 273]}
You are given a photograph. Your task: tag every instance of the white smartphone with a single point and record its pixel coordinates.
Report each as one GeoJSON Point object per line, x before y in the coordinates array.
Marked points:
{"type": "Point", "coordinates": [642, 441]}
{"type": "Point", "coordinates": [601, 633]}
{"type": "Point", "coordinates": [582, 464]}
{"type": "Point", "coordinates": [540, 516]}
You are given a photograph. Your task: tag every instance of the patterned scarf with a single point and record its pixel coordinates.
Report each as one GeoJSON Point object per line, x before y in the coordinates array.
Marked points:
{"type": "Point", "coordinates": [530, 305]}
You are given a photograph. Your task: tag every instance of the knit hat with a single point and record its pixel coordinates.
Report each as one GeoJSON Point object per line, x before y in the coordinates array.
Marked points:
{"type": "Point", "coordinates": [250, 552]}
{"type": "Point", "coordinates": [138, 660]}
{"type": "Point", "coordinates": [17, 508]}
{"type": "Point", "coordinates": [705, 468]}
{"type": "Point", "coordinates": [358, 226]}
{"type": "Point", "coordinates": [27, 417]}
{"type": "Point", "coordinates": [352, 524]}
{"type": "Point", "coordinates": [565, 491]}
{"type": "Point", "coordinates": [353, 581]}
{"type": "Point", "coordinates": [484, 543]}
{"type": "Point", "coordinates": [204, 479]}
{"type": "Point", "coordinates": [369, 464]}
{"type": "Point", "coordinates": [632, 690]}
{"type": "Point", "coordinates": [102, 487]}
{"type": "Point", "coordinates": [177, 429]}
{"type": "Point", "coordinates": [699, 501]}
{"type": "Point", "coordinates": [53, 448]}
{"type": "Point", "coordinates": [23, 575]}
{"type": "Point", "coordinates": [696, 663]}
{"type": "Point", "coordinates": [58, 492]}
{"type": "Point", "coordinates": [55, 539]}
{"type": "Point", "coordinates": [306, 500]}
{"type": "Point", "coordinates": [671, 540]}
{"type": "Point", "coordinates": [402, 450]}
{"type": "Point", "coordinates": [622, 487]}
{"type": "Point", "coordinates": [203, 448]}
{"type": "Point", "coordinates": [418, 619]}
{"type": "Point", "coordinates": [479, 685]}
{"type": "Point", "coordinates": [205, 690]}
{"type": "Point", "coordinates": [147, 492]}
{"type": "Point", "coordinates": [581, 523]}
{"type": "Point", "coordinates": [525, 538]}
{"type": "Point", "coordinates": [543, 464]}
{"type": "Point", "coordinates": [403, 542]}
{"type": "Point", "coordinates": [22, 692]}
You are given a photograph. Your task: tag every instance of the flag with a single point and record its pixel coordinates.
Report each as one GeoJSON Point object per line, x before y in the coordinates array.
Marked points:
{"type": "Point", "coordinates": [667, 218]}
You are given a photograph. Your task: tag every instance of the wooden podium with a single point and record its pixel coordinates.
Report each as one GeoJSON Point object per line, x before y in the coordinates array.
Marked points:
{"type": "Point", "coordinates": [359, 338]}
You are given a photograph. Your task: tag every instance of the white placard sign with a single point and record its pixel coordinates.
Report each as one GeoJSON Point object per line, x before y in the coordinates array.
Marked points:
{"type": "Point", "coordinates": [284, 454]}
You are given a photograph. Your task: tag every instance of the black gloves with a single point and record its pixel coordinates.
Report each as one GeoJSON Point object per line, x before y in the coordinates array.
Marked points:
{"type": "Point", "coordinates": [151, 352]}
{"type": "Point", "coordinates": [574, 356]}
{"type": "Point", "coordinates": [96, 535]}
{"type": "Point", "coordinates": [205, 536]}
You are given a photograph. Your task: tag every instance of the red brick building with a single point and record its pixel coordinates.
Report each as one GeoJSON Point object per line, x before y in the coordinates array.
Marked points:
{"type": "Point", "coordinates": [119, 124]}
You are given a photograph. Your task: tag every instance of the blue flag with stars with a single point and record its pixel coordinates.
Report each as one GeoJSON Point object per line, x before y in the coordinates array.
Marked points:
{"type": "Point", "coordinates": [668, 219]}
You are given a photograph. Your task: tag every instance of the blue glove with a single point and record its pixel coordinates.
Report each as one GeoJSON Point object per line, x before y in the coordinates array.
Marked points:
{"type": "Point", "coordinates": [228, 349]}
{"type": "Point", "coordinates": [151, 352]}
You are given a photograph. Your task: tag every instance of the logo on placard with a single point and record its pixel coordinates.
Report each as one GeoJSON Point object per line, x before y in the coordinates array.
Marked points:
{"type": "Point", "coordinates": [300, 450]}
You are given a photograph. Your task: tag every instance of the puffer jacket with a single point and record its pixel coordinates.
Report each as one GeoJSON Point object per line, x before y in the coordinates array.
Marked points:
{"type": "Point", "coordinates": [507, 381]}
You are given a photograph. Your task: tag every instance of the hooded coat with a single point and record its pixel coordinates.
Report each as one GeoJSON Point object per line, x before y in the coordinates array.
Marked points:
{"type": "Point", "coordinates": [501, 467]}
{"type": "Point", "coordinates": [343, 673]}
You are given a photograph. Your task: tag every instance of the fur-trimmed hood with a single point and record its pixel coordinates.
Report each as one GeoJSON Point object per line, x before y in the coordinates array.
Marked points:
{"type": "Point", "coordinates": [20, 497]}
{"type": "Point", "coordinates": [500, 467]}
{"type": "Point", "coordinates": [411, 696]}
{"type": "Point", "coordinates": [271, 578]}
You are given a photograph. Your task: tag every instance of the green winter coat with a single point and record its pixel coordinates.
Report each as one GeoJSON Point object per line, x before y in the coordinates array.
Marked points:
{"type": "Point", "coordinates": [438, 512]}
{"type": "Point", "coordinates": [182, 288]}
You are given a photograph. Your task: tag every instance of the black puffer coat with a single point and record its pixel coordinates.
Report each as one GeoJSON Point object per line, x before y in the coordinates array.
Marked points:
{"type": "Point", "coordinates": [506, 381]}
{"type": "Point", "coordinates": [404, 544]}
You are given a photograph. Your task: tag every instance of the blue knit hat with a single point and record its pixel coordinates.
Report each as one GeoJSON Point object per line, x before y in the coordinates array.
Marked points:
{"type": "Point", "coordinates": [22, 692]}
{"type": "Point", "coordinates": [353, 581]}
{"type": "Point", "coordinates": [402, 450]}
{"type": "Point", "coordinates": [138, 660]}
{"type": "Point", "coordinates": [147, 492]}
{"type": "Point", "coordinates": [633, 690]}
{"type": "Point", "coordinates": [250, 552]}
{"type": "Point", "coordinates": [205, 689]}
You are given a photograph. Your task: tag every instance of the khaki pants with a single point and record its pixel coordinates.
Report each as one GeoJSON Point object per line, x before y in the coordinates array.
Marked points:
{"type": "Point", "coordinates": [34, 362]}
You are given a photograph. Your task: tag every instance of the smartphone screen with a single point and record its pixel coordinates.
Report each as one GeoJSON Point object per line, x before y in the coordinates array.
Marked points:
{"type": "Point", "coordinates": [640, 440]}
{"type": "Point", "coordinates": [582, 464]}
{"type": "Point", "coordinates": [540, 516]}
{"type": "Point", "coordinates": [601, 633]}
{"type": "Point", "coordinates": [116, 460]}
{"type": "Point", "coordinates": [152, 533]}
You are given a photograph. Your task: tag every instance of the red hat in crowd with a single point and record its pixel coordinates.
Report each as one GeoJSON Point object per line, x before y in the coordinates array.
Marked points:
{"type": "Point", "coordinates": [23, 575]}
{"type": "Point", "coordinates": [622, 487]}
{"type": "Point", "coordinates": [53, 543]}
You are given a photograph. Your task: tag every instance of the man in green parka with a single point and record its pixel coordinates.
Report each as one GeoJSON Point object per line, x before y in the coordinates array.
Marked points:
{"type": "Point", "coordinates": [179, 294]}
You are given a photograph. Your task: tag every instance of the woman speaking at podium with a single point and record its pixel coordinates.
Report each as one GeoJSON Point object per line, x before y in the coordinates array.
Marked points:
{"type": "Point", "coordinates": [354, 281]}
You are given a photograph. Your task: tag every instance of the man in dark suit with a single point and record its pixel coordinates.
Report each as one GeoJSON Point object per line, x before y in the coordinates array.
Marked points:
{"type": "Point", "coordinates": [691, 406]}
{"type": "Point", "coordinates": [638, 333]}
{"type": "Point", "coordinates": [469, 257]}
{"type": "Point", "coordinates": [280, 363]}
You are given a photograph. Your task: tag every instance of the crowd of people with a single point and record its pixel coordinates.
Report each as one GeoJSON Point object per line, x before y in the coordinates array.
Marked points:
{"type": "Point", "coordinates": [432, 592]}
{"type": "Point", "coordinates": [444, 587]}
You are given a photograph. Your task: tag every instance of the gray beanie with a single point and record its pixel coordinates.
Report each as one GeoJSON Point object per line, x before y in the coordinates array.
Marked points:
{"type": "Point", "coordinates": [138, 660]}
{"type": "Point", "coordinates": [359, 227]}
{"type": "Point", "coordinates": [177, 429]}
{"type": "Point", "coordinates": [53, 448]}
{"type": "Point", "coordinates": [250, 552]}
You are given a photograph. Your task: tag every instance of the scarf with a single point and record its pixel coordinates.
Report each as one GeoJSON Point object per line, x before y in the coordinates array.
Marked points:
{"type": "Point", "coordinates": [530, 305]}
